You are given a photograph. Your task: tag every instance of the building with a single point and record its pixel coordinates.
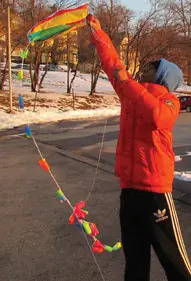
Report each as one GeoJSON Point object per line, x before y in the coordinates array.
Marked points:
{"type": "Point", "coordinates": [128, 57]}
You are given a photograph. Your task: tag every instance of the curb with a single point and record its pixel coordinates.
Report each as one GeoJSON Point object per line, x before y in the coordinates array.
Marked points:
{"type": "Point", "coordinates": [178, 195]}
{"type": "Point", "coordinates": [104, 167]}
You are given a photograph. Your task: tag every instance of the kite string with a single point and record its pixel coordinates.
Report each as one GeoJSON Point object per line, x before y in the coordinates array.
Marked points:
{"type": "Point", "coordinates": [93, 255]}
{"type": "Point", "coordinates": [86, 239]}
{"type": "Point", "coordinates": [98, 163]}
{"type": "Point", "coordinates": [50, 172]}
{"type": "Point", "coordinates": [69, 203]}
{"type": "Point", "coordinates": [93, 183]}
{"type": "Point", "coordinates": [98, 38]}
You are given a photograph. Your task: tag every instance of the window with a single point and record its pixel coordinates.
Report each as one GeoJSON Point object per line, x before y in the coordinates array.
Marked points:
{"type": "Point", "coordinates": [184, 98]}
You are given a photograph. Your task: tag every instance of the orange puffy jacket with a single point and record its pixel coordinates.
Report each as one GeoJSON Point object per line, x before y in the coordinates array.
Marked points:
{"type": "Point", "coordinates": [144, 155]}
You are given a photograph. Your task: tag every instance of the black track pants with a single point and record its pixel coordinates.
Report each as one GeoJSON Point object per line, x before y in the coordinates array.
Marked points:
{"type": "Point", "coordinates": [150, 219]}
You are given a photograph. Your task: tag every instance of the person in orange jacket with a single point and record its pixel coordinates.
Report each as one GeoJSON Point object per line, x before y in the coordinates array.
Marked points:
{"type": "Point", "coordinates": [145, 162]}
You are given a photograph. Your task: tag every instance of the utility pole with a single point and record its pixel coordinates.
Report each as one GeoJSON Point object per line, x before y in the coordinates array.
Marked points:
{"type": "Point", "coordinates": [9, 57]}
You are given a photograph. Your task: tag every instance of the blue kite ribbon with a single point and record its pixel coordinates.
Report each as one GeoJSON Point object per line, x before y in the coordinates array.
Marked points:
{"type": "Point", "coordinates": [28, 131]}
{"type": "Point", "coordinates": [21, 102]}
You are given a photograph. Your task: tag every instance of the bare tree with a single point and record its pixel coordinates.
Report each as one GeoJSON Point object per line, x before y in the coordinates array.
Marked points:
{"type": "Point", "coordinates": [181, 10]}
{"type": "Point", "coordinates": [17, 36]}
{"type": "Point", "coordinates": [141, 47]}
{"type": "Point", "coordinates": [32, 12]}
{"type": "Point", "coordinates": [71, 44]}
{"type": "Point", "coordinates": [112, 16]}
{"type": "Point", "coordinates": [68, 3]}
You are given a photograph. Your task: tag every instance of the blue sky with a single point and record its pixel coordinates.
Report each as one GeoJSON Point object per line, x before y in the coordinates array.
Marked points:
{"type": "Point", "coordinates": [136, 5]}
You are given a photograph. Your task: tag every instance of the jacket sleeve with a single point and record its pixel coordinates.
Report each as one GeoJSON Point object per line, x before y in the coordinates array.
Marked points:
{"type": "Point", "coordinates": [108, 57]}
{"type": "Point", "coordinates": [160, 113]}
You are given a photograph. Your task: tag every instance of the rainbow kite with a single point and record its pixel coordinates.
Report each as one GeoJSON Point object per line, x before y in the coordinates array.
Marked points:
{"type": "Point", "coordinates": [61, 21]}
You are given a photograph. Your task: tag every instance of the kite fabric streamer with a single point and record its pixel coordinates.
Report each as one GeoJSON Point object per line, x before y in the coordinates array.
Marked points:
{"type": "Point", "coordinates": [61, 21]}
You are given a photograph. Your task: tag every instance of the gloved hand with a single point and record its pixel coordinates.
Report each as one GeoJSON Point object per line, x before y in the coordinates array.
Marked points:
{"type": "Point", "coordinates": [93, 22]}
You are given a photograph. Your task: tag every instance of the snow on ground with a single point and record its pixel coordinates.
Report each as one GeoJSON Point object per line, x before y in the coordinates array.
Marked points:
{"type": "Point", "coordinates": [183, 176]}
{"type": "Point", "coordinates": [55, 82]}
{"type": "Point", "coordinates": [54, 104]}
{"type": "Point", "coordinates": [178, 158]}
{"type": "Point", "coordinates": [184, 88]}
{"type": "Point", "coordinates": [8, 121]}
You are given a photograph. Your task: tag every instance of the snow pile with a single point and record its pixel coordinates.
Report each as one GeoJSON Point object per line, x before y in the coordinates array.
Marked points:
{"type": "Point", "coordinates": [53, 104]}
{"type": "Point", "coordinates": [178, 158]}
{"type": "Point", "coordinates": [8, 121]}
{"type": "Point", "coordinates": [184, 88]}
{"type": "Point", "coordinates": [183, 176]}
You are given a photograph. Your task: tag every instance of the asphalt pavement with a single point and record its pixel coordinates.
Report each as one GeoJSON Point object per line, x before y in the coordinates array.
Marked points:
{"type": "Point", "coordinates": [36, 241]}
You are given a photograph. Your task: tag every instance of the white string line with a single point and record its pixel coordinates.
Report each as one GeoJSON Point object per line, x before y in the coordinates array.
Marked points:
{"type": "Point", "coordinates": [86, 239]}
{"type": "Point", "coordinates": [93, 184]}
{"type": "Point", "coordinates": [98, 163]}
{"type": "Point", "coordinates": [50, 172]}
{"type": "Point", "coordinates": [67, 200]}
{"type": "Point", "coordinates": [93, 255]}
{"type": "Point", "coordinates": [37, 147]}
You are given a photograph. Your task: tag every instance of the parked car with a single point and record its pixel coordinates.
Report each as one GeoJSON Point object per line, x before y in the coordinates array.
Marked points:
{"type": "Point", "coordinates": [185, 103]}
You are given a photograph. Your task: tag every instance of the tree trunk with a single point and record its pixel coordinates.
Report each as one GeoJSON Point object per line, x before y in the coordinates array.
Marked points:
{"type": "Point", "coordinates": [95, 77]}
{"type": "Point", "coordinates": [43, 76]}
{"type": "Point", "coordinates": [0, 70]}
{"type": "Point", "coordinates": [32, 78]}
{"type": "Point", "coordinates": [189, 73]}
{"type": "Point", "coordinates": [4, 74]}
{"type": "Point", "coordinates": [92, 79]}
{"type": "Point", "coordinates": [68, 80]}
{"type": "Point", "coordinates": [34, 74]}
{"type": "Point", "coordinates": [72, 81]}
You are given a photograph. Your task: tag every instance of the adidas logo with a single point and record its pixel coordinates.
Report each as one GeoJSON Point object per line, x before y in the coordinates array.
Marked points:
{"type": "Point", "coordinates": [160, 215]}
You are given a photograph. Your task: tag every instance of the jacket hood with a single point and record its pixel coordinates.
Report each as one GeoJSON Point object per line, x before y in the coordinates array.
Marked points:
{"type": "Point", "coordinates": [169, 75]}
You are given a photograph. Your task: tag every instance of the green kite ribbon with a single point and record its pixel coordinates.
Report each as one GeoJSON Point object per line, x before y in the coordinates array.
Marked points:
{"type": "Point", "coordinates": [24, 54]}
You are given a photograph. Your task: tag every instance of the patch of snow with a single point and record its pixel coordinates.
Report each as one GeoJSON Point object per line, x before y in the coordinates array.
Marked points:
{"type": "Point", "coordinates": [8, 121]}
{"type": "Point", "coordinates": [182, 155]}
{"type": "Point", "coordinates": [183, 176]}
{"type": "Point", "coordinates": [178, 158]}
{"type": "Point", "coordinates": [184, 88]}
{"type": "Point", "coordinates": [56, 82]}
{"type": "Point", "coordinates": [54, 104]}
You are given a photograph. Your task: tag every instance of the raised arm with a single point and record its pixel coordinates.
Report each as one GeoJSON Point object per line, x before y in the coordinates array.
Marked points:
{"type": "Point", "coordinates": [160, 113]}
{"type": "Point", "coordinates": [108, 56]}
